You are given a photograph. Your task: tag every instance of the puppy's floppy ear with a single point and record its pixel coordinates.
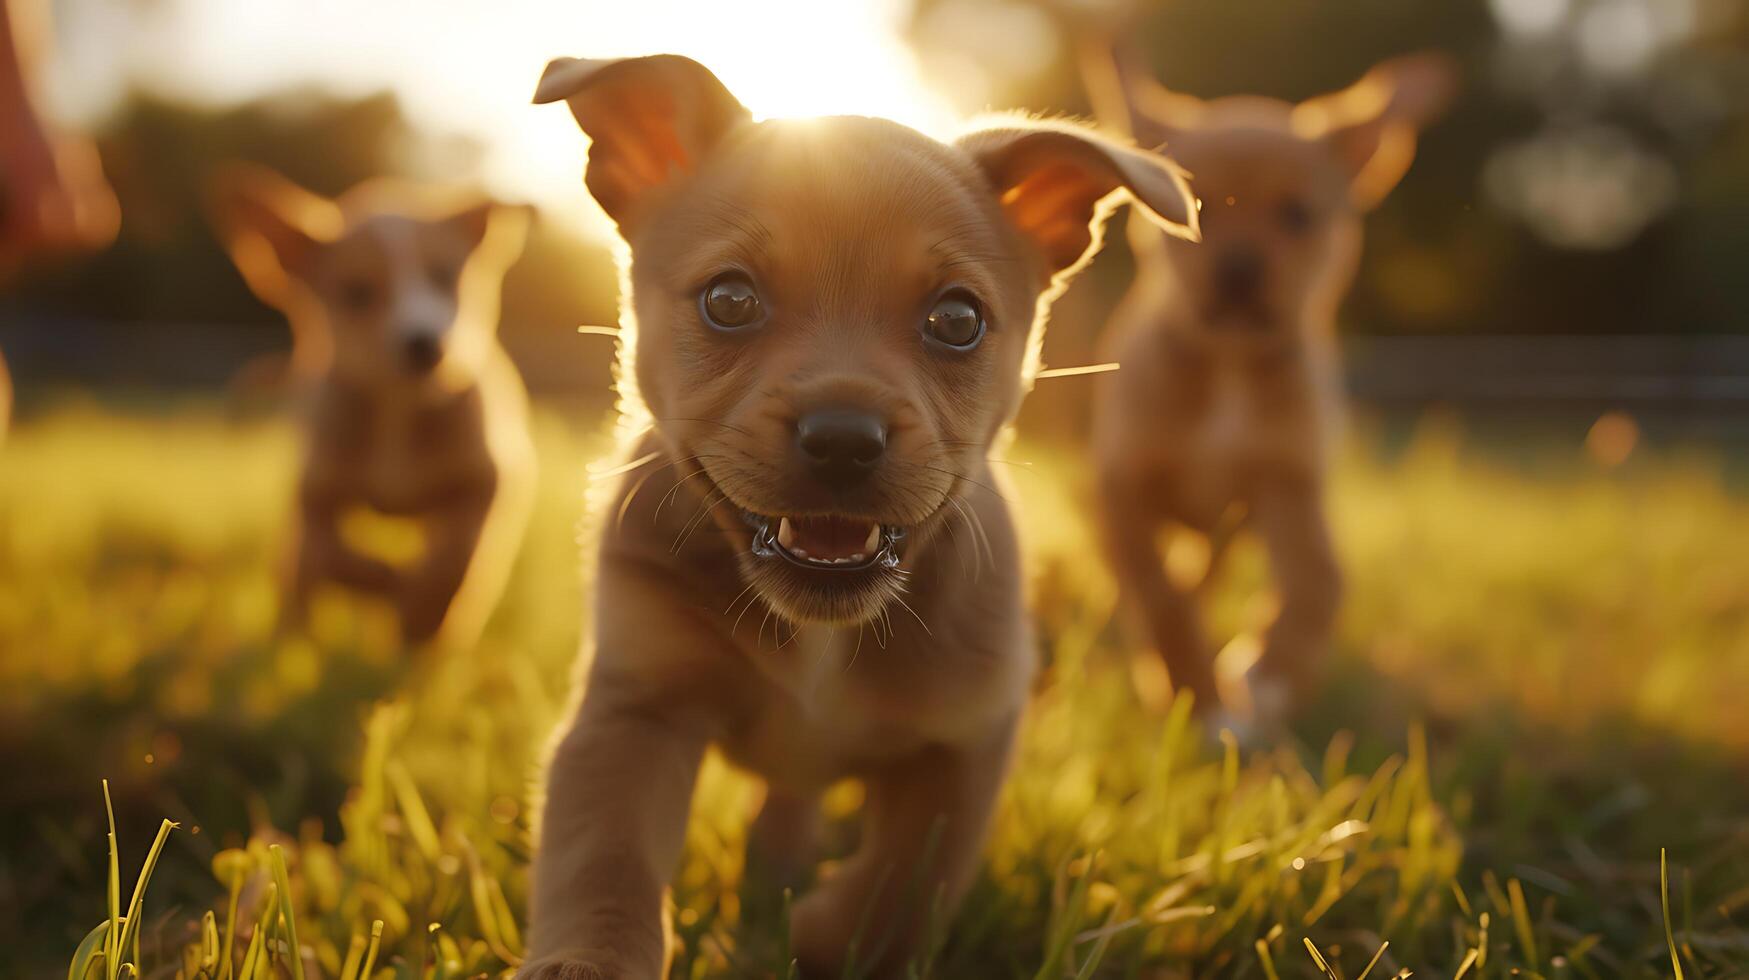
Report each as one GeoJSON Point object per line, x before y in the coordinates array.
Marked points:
{"type": "Point", "coordinates": [647, 119]}
{"type": "Point", "coordinates": [1372, 124]}
{"type": "Point", "coordinates": [1054, 181]}
{"type": "Point", "coordinates": [271, 226]}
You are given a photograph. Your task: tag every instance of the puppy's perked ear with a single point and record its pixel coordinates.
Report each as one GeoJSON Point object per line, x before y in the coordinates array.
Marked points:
{"type": "Point", "coordinates": [1372, 124]}
{"type": "Point", "coordinates": [271, 226]}
{"type": "Point", "coordinates": [496, 228]}
{"type": "Point", "coordinates": [1054, 181]}
{"type": "Point", "coordinates": [647, 119]}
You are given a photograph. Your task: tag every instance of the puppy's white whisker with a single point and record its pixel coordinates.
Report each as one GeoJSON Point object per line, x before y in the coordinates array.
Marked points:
{"type": "Point", "coordinates": [857, 650]}
{"type": "Point", "coordinates": [675, 489]}
{"type": "Point", "coordinates": [627, 467]}
{"type": "Point", "coordinates": [625, 505]}
{"type": "Point", "coordinates": [698, 521]}
{"type": "Point", "coordinates": [746, 606]}
{"type": "Point", "coordinates": [983, 535]}
{"type": "Point", "coordinates": [1073, 372]}
{"type": "Point", "coordinates": [913, 612]}
{"type": "Point", "coordinates": [972, 530]}
{"type": "Point", "coordinates": [959, 554]}
{"type": "Point", "coordinates": [595, 330]}
{"type": "Point", "coordinates": [735, 601]}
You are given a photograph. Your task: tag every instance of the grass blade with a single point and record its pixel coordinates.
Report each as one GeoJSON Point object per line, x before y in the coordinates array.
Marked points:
{"type": "Point", "coordinates": [1664, 898]}
{"type": "Point", "coordinates": [130, 930]}
{"type": "Point", "coordinates": [1521, 921]}
{"type": "Point", "coordinates": [283, 880]}
{"type": "Point", "coordinates": [1267, 960]}
{"type": "Point", "coordinates": [88, 951]}
{"type": "Point", "coordinates": [112, 938]}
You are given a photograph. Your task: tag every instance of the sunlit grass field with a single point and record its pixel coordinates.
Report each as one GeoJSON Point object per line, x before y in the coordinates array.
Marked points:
{"type": "Point", "coordinates": [1542, 680]}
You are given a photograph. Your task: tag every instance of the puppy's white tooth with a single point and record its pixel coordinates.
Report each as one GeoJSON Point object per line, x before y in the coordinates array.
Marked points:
{"type": "Point", "coordinates": [873, 540]}
{"type": "Point", "coordinates": [786, 535]}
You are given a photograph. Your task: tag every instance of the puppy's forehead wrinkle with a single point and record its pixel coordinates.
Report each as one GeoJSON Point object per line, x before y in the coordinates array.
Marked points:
{"type": "Point", "coordinates": [862, 170]}
{"type": "Point", "coordinates": [743, 223]}
{"type": "Point", "coordinates": [837, 217]}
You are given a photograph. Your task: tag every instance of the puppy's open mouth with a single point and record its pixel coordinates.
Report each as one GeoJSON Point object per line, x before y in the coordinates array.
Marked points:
{"type": "Point", "coordinates": [826, 543]}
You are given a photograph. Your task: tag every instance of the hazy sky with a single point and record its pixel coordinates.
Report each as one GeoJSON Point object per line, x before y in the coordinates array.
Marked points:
{"type": "Point", "coordinates": [470, 66]}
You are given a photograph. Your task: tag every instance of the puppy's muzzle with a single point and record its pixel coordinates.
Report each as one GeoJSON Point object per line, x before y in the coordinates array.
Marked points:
{"type": "Point", "coordinates": [841, 447]}
{"type": "Point", "coordinates": [1239, 275]}
{"type": "Point", "coordinates": [421, 353]}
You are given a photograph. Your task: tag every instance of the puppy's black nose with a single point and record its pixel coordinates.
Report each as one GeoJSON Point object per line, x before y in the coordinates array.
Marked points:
{"type": "Point", "coordinates": [841, 446]}
{"type": "Point", "coordinates": [422, 353]}
{"type": "Point", "coordinates": [1239, 273]}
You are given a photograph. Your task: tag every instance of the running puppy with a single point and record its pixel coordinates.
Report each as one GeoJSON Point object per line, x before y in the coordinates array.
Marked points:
{"type": "Point", "coordinates": [1230, 388]}
{"type": "Point", "coordinates": [803, 562]}
{"type": "Point", "coordinates": [412, 408]}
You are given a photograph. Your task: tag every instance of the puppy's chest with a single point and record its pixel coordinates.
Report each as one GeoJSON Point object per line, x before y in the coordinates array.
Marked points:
{"type": "Point", "coordinates": [833, 700]}
{"type": "Point", "coordinates": [1246, 409]}
{"type": "Point", "coordinates": [401, 458]}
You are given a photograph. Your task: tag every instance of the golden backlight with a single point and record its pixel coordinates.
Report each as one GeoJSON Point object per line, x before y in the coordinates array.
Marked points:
{"type": "Point", "coordinates": [781, 58]}
{"type": "Point", "coordinates": [470, 68]}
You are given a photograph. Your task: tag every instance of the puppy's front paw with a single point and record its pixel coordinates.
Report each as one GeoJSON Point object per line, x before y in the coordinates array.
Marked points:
{"type": "Point", "coordinates": [564, 968]}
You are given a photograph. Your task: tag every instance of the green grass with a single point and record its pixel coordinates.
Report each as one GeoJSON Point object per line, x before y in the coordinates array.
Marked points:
{"type": "Point", "coordinates": [1538, 687]}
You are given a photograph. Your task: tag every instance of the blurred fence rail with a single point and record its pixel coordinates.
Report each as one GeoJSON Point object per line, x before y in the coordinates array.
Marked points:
{"type": "Point", "coordinates": [1704, 375]}
{"type": "Point", "coordinates": [192, 357]}
{"type": "Point", "coordinates": [1643, 371]}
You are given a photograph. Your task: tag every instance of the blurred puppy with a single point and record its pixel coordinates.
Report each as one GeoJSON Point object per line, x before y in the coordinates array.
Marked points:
{"type": "Point", "coordinates": [413, 409]}
{"type": "Point", "coordinates": [835, 319]}
{"type": "Point", "coordinates": [1230, 388]}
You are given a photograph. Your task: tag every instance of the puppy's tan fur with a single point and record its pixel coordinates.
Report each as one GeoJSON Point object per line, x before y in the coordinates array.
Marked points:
{"type": "Point", "coordinates": [1230, 388]}
{"type": "Point", "coordinates": [911, 678]}
{"type": "Point", "coordinates": [411, 406]}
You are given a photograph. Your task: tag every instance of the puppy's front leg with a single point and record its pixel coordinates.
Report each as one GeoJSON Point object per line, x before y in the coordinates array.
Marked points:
{"type": "Point", "coordinates": [452, 535]}
{"type": "Point", "coordinates": [923, 832]}
{"type": "Point", "coordinates": [619, 788]}
{"type": "Point", "coordinates": [1129, 527]}
{"type": "Point", "coordinates": [783, 839]}
{"type": "Point", "coordinates": [1290, 517]}
{"type": "Point", "coordinates": [322, 555]}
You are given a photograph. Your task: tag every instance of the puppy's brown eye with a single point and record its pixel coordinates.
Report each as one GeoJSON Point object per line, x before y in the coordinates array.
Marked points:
{"type": "Point", "coordinates": [1294, 216]}
{"type": "Point", "coordinates": [730, 302]}
{"type": "Point", "coordinates": [358, 295]}
{"type": "Point", "coordinates": [956, 321]}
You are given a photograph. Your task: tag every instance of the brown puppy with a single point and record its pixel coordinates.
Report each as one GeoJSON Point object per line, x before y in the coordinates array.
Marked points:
{"type": "Point", "coordinates": [413, 409]}
{"type": "Point", "coordinates": [1230, 389]}
{"type": "Point", "coordinates": [805, 562]}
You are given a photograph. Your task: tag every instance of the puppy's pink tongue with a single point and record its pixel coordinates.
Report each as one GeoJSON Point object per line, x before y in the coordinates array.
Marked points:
{"type": "Point", "coordinates": [828, 538]}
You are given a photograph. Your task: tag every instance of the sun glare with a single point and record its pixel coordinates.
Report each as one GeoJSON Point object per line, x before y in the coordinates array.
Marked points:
{"type": "Point", "coordinates": [471, 68]}
{"type": "Point", "coordinates": [781, 58]}
{"type": "Point", "coordinates": [785, 58]}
